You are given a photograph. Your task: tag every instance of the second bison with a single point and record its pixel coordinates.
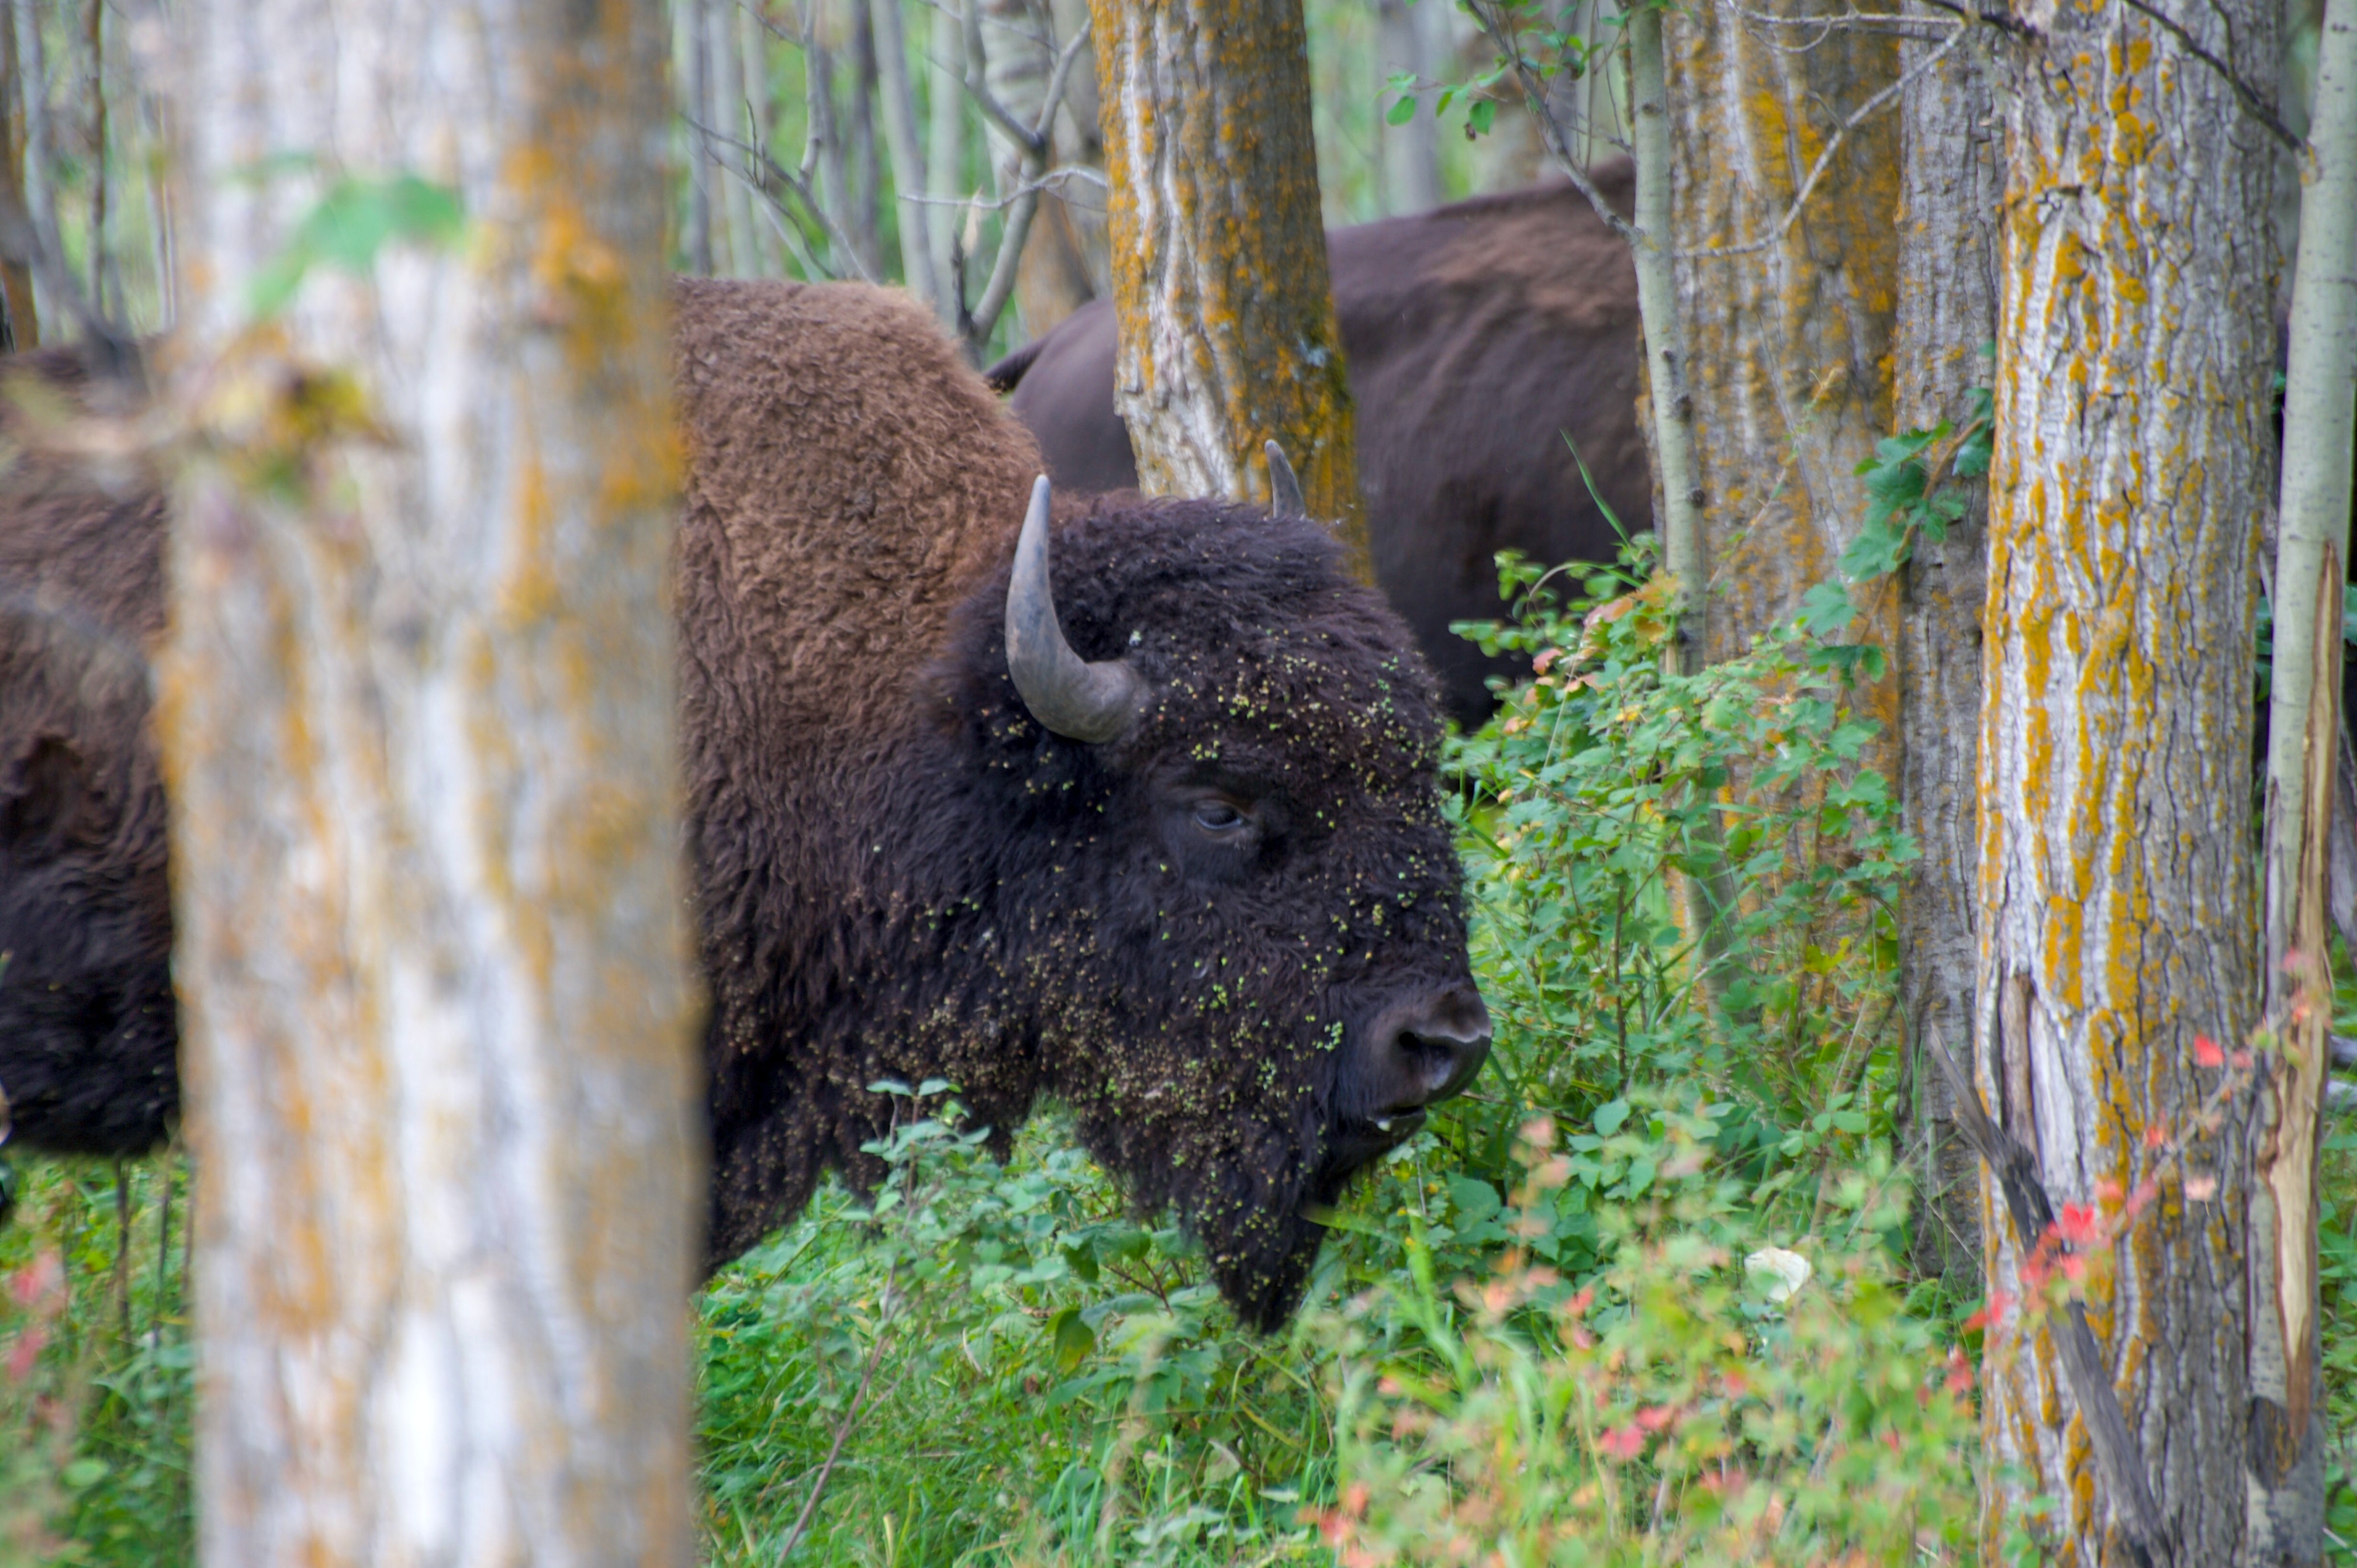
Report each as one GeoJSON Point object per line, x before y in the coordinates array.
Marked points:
{"type": "Point", "coordinates": [1142, 815]}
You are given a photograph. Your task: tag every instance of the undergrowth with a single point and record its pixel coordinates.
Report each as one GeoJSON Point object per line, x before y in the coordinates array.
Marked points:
{"type": "Point", "coordinates": [1638, 1297]}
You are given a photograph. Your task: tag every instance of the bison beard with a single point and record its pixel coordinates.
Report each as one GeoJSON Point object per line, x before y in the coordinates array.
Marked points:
{"type": "Point", "coordinates": [1229, 937]}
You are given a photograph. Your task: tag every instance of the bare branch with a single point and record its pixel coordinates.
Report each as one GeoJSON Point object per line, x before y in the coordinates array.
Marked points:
{"type": "Point", "coordinates": [1535, 97]}
{"type": "Point", "coordinates": [1052, 180]}
{"type": "Point", "coordinates": [838, 243]}
{"type": "Point", "coordinates": [1023, 205]}
{"type": "Point", "coordinates": [1864, 112]}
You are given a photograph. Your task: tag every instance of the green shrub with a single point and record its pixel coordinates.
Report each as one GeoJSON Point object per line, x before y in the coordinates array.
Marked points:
{"type": "Point", "coordinates": [1681, 1407]}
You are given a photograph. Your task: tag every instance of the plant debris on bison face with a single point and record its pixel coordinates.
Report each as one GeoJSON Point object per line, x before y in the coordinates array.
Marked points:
{"type": "Point", "coordinates": [1241, 918]}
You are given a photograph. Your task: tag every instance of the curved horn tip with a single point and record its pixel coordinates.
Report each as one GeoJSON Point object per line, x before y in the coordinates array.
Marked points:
{"type": "Point", "coordinates": [1069, 695]}
{"type": "Point", "coordinates": [1284, 488]}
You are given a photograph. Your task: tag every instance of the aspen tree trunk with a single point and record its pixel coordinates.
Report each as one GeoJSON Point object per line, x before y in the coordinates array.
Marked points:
{"type": "Point", "coordinates": [1228, 335]}
{"type": "Point", "coordinates": [692, 54]}
{"type": "Point", "coordinates": [1410, 152]}
{"type": "Point", "coordinates": [417, 715]}
{"type": "Point", "coordinates": [724, 111]}
{"type": "Point", "coordinates": [2286, 1454]}
{"type": "Point", "coordinates": [766, 253]}
{"type": "Point", "coordinates": [2116, 908]}
{"type": "Point", "coordinates": [908, 149]}
{"type": "Point", "coordinates": [945, 158]}
{"type": "Point", "coordinates": [866, 225]}
{"type": "Point", "coordinates": [1789, 345]}
{"type": "Point", "coordinates": [1947, 311]}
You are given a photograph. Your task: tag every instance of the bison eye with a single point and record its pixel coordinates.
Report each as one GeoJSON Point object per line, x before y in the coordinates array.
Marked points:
{"type": "Point", "coordinates": [1217, 817]}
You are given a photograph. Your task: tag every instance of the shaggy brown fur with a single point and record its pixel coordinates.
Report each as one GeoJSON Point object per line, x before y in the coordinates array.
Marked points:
{"type": "Point", "coordinates": [1479, 336]}
{"type": "Point", "coordinates": [1230, 939]}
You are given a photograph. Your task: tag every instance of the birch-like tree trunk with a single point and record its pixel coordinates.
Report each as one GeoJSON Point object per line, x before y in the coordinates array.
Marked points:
{"type": "Point", "coordinates": [946, 110]}
{"type": "Point", "coordinates": [2287, 1458]}
{"type": "Point", "coordinates": [2116, 908]}
{"type": "Point", "coordinates": [1228, 335]}
{"type": "Point", "coordinates": [867, 223]}
{"type": "Point", "coordinates": [897, 98]}
{"type": "Point", "coordinates": [1409, 152]}
{"type": "Point", "coordinates": [418, 718]}
{"type": "Point", "coordinates": [1947, 311]}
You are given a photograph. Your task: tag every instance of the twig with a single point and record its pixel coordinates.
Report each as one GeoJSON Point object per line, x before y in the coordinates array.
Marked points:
{"type": "Point", "coordinates": [1535, 98]}
{"type": "Point", "coordinates": [1825, 156]}
{"type": "Point", "coordinates": [2014, 1170]}
{"type": "Point", "coordinates": [976, 326]}
{"type": "Point", "coordinates": [837, 242]}
{"type": "Point", "coordinates": [851, 1414]}
{"type": "Point", "coordinates": [1048, 181]}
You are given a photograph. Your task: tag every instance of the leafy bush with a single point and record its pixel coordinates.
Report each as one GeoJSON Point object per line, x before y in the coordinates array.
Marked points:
{"type": "Point", "coordinates": [1605, 784]}
{"type": "Point", "coordinates": [1677, 1408]}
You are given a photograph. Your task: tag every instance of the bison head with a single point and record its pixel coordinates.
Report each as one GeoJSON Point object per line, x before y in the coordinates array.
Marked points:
{"type": "Point", "coordinates": [1220, 882]}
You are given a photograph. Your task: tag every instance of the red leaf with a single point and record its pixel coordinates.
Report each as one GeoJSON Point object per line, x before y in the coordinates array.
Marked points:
{"type": "Point", "coordinates": [2206, 1052]}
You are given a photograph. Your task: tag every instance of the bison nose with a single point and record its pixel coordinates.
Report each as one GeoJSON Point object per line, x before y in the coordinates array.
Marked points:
{"type": "Point", "coordinates": [1430, 1048]}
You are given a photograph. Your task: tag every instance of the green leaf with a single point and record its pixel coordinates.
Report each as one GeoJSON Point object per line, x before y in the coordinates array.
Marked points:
{"type": "Point", "coordinates": [1402, 110]}
{"type": "Point", "coordinates": [1475, 1201]}
{"type": "Point", "coordinates": [1611, 1115]}
{"type": "Point", "coordinates": [356, 219]}
{"type": "Point", "coordinates": [1482, 115]}
{"type": "Point", "coordinates": [83, 1473]}
{"type": "Point", "coordinates": [1071, 1338]}
{"type": "Point", "coordinates": [1826, 608]}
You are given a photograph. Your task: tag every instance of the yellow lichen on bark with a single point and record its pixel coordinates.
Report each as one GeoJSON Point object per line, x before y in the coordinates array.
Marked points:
{"type": "Point", "coordinates": [1228, 335]}
{"type": "Point", "coordinates": [1788, 346]}
{"type": "Point", "coordinates": [2115, 896]}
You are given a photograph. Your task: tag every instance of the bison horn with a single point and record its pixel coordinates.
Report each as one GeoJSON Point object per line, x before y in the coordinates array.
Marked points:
{"type": "Point", "coordinates": [1074, 698]}
{"type": "Point", "coordinates": [1283, 489]}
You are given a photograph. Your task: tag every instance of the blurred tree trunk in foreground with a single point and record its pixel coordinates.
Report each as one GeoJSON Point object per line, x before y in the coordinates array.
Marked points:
{"type": "Point", "coordinates": [419, 719]}
{"type": "Point", "coordinates": [2134, 460]}
{"type": "Point", "coordinates": [1947, 311]}
{"type": "Point", "coordinates": [1228, 335]}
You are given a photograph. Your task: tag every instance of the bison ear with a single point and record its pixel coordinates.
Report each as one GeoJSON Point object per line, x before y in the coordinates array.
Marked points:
{"type": "Point", "coordinates": [41, 794]}
{"type": "Point", "coordinates": [1283, 489]}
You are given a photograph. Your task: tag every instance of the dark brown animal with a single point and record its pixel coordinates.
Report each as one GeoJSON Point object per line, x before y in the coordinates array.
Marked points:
{"type": "Point", "coordinates": [1164, 842]}
{"type": "Point", "coordinates": [88, 1033]}
{"type": "Point", "coordinates": [1485, 340]}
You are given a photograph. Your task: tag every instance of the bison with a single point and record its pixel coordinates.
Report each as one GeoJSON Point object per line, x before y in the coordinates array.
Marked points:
{"type": "Point", "coordinates": [1485, 340]}
{"type": "Point", "coordinates": [1136, 807]}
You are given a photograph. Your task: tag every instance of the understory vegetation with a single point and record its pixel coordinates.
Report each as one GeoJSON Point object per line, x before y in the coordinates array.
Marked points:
{"type": "Point", "coordinates": [1640, 1297]}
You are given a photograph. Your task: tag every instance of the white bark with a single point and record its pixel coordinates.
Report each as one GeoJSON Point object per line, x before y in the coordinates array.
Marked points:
{"type": "Point", "coordinates": [418, 715]}
{"type": "Point", "coordinates": [945, 155]}
{"type": "Point", "coordinates": [908, 153]}
{"type": "Point", "coordinates": [1665, 357]}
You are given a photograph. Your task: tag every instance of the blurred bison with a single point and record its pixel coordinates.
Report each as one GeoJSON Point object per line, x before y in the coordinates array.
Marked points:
{"type": "Point", "coordinates": [1484, 339]}
{"type": "Point", "coordinates": [1162, 839]}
